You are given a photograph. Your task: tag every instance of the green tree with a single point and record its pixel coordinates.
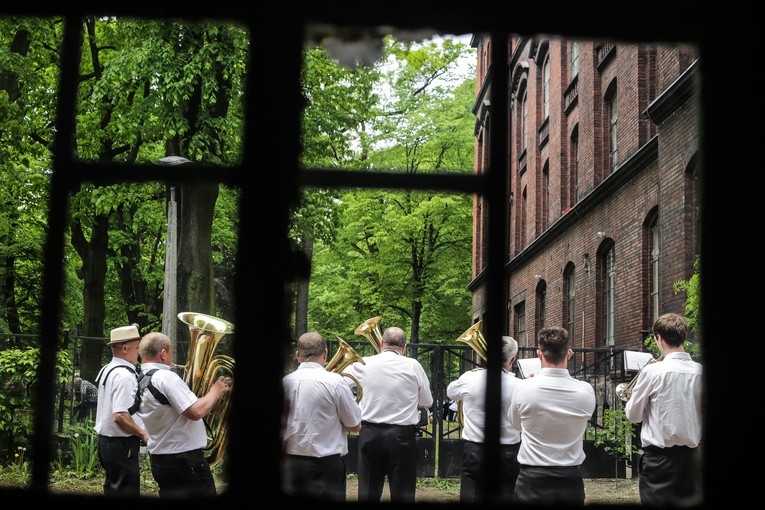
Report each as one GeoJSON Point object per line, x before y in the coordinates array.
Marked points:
{"type": "Point", "coordinates": [403, 252]}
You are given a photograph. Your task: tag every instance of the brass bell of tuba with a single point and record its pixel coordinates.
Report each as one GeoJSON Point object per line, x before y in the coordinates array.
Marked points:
{"type": "Point", "coordinates": [202, 369]}
{"type": "Point", "coordinates": [370, 329]}
{"type": "Point", "coordinates": [344, 357]}
{"type": "Point", "coordinates": [474, 338]}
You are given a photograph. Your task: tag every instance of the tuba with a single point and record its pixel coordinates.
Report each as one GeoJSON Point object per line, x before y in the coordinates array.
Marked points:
{"type": "Point", "coordinates": [370, 329]}
{"type": "Point", "coordinates": [474, 338]}
{"type": "Point", "coordinates": [202, 369]}
{"type": "Point", "coordinates": [344, 356]}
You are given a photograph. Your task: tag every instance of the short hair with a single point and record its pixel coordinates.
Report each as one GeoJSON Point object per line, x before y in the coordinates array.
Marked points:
{"type": "Point", "coordinates": [394, 336]}
{"type": "Point", "coordinates": [509, 348]}
{"type": "Point", "coordinates": [152, 343]}
{"type": "Point", "coordinates": [672, 327]}
{"type": "Point", "coordinates": [310, 344]}
{"type": "Point", "coordinates": [553, 343]}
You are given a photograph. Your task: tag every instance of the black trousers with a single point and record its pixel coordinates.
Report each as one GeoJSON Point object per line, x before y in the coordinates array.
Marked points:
{"type": "Point", "coordinates": [550, 485]}
{"type": "Point", "coordinates": [119, 458]}
{"type": "Point", "coordinates": [183, 475]}
{"type": "Point", "coordinates": [670, 476]}
{"type": "Point", "coordinates": [315, 477]}
{"type": "Point", "coordinates": [387, 450]}
{"type": "Point", "coordinates": [471, 474]}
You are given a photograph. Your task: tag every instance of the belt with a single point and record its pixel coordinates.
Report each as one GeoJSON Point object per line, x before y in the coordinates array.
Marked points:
{"type": "Point", "coordinates": [191, 454]}
{"type": "Point", "coordinates": [118, 439]}
{"type": "Point", "coordinates": [384, 425]}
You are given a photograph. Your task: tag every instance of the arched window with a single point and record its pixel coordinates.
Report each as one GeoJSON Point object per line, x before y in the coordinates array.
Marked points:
{"type": "Point", "coordinates": [569, 306]}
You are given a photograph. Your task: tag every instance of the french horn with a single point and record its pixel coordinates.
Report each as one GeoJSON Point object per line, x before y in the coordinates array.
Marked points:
{"type": "Point", "coordinates": [343, 358]}
{"type": "Point", "coordinates": [202, 369]}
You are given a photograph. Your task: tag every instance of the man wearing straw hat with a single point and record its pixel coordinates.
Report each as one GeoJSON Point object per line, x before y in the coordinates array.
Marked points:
{"type": "Point", "coordinates": [119, 433]}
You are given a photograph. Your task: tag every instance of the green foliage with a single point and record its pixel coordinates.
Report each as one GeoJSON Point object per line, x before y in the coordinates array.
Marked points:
{"type": "Point", "coordinates": [692, 289]}
{"type": "Point", "coordinates": [404, 255]}
{"type": "Point", "coordinates": [78, 452]}
{"type": "Point", "coordinates": [616, 436]}
{"type": "Point", "coordinates": [17, 471]}
{"type": "Point", "coordinates": [18, 373]}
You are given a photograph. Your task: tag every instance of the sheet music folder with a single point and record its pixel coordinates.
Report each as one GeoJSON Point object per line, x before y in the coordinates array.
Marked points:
{"type": "Point", "coordinates": [527, 367]}
{"type": "Point", "coordinates": [636, 360]}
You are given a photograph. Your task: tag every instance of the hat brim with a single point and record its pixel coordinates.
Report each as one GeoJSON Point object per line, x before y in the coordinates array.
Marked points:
{"type": "Point", "coordinates": [123, 340]}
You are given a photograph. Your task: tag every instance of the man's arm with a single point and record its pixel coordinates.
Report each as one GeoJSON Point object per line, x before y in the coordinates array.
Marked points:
{"type": "Point", "coordinates": [126, 423]}
{"type": "Point", "coordinates": [205, 404]}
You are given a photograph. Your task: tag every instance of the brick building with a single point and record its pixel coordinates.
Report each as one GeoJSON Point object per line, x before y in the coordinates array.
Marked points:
{"type": "Point", "coordinates": [602, 201]}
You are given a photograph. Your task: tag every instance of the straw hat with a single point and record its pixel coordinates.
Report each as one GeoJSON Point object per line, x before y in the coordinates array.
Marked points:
{"type": "Point", "coordinates": [124, 334]}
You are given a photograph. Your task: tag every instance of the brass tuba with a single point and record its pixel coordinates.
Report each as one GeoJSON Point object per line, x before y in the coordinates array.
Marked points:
{"type": "Point", "coordinates": [370, 329]}
{"type": "Point", "coordinates": [202, 369]}
{"type": "Point", "coordinates": [344, 356]}
{"type": "Point", "coordinates": [474, 338]}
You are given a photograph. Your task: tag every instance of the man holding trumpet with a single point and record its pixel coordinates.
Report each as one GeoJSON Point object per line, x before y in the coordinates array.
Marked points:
{"type": "Point", "coordinates": [666, 398]}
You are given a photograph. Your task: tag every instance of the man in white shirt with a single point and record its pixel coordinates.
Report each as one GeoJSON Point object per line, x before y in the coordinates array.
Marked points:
{"type": "Point", "coordinates": [666, 398]}
{"type": "Point", "coordinates": [394, 386]}
{"type": "Point", "coordinates": [551, 409]}
{"type": "Point", "coordinates": [470, 389]}
{"type": "Point", "coordinates": [321, 410]}
{"type": "Point", "coordinates": [173, 417]}
{"type": "Point", "coordinates": [120, 434]}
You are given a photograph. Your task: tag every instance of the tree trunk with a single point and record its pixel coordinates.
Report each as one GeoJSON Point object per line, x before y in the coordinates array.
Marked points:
{"type": "Point", "coordinates": [93, 274]}
{"type": "Point", "coordinates": [196, 290]}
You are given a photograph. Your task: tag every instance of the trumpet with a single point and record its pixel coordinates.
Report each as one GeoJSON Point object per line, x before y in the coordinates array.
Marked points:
{"type": "Point", "coordinates": [345, 356]}
{"type": "Point", "coordinates": [624, 390]}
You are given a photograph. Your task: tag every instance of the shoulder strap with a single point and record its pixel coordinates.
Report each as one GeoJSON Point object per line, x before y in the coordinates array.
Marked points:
{"type": "Point", "coordinates": [144, 382]}
{"type": "Point", "coordinates": [98, 379]}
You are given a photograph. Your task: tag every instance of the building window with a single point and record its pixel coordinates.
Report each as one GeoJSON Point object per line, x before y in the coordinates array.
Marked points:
{"type": "Point", "coordinates": [613, 124]}
{"type": "Point", "coordinates": [653, 271]}
{"type": "Point", "coordinates": [545, 206]}
{"type": "Point", "coordinates": [546, 87]}
{"type": "Point", "coordinates": [520, 324]}
{"type": "Point", "coordinates": [574, 59]}
{"type": "Point", "coordinates": [569, 307]}
{"type": "Point", "coordinates": [541, 298]}
{"type": "Point", "coordinates": [524, 216]}
{"type": "Point", "coordinates": [609, 295]}
{"type": "Point", "coordinates": [573, 174]}
{"type": "Point", "coordinates": [524, 122]}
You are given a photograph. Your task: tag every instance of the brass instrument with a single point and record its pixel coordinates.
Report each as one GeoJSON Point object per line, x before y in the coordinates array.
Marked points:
{"type": "Point", "coordinates": [370, 329]}
{"type": "Point", "coordinates": [344, 357]}
{"type": "Point", "coordinates": [624, 390]}
{"type": "Point", "coordinates": [474, 338]}
{"type": "Point", "coordinates": [202, 369]}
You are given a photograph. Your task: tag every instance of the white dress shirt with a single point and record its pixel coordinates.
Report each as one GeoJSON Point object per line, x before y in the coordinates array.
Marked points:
{"type": "Point", "coordinates": [321, 406]}
{"type": "Point", "coordinates": [470, 388]}
{"type": "Point", "coordinates": [667, 399]}
{"type": "Point", "coordinates": [116, 396]}
{"type": "Point", "coordinates": [552, 409]}
{"type": "Point", "coordinates": [394, 387]}
{"type": "Point", "coordinates": [170, 431]}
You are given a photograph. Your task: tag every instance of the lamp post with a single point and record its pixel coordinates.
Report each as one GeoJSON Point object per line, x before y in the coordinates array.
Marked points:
{"type": "Point", "coordinates": [170, 298]}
